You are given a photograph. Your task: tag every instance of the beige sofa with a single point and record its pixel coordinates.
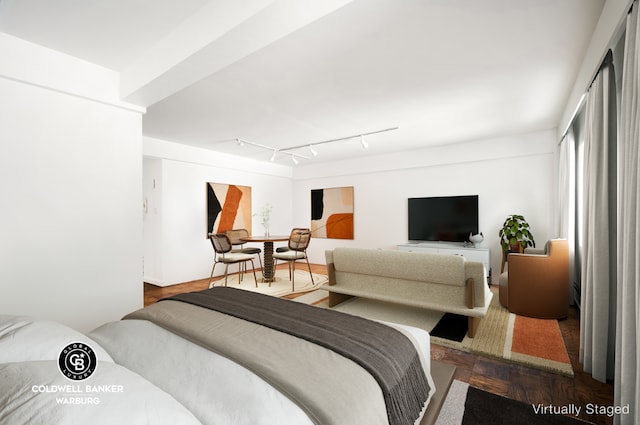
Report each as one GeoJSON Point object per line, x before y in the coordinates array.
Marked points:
{"type": "Point", "coordinates": [432, 281]}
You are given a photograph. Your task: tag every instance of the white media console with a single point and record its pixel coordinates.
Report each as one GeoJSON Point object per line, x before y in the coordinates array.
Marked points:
{"type": "Point", "coordinates": [470, 253]}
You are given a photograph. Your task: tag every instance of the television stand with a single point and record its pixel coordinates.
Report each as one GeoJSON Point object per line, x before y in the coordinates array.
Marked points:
{"type": "Point", "coordinates": [470, 253]}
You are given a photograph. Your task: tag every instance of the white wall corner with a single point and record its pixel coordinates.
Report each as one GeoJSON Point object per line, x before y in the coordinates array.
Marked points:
{"type": "Point", "coordinates": [46, 68]}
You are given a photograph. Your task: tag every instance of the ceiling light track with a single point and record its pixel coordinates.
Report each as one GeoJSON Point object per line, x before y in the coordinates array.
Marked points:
{"type": "Point", "coordinates": [294, 156]}
{"type": "Point", "coordinates": [341, 139]}
{"type": "Point", "coordinates": [311, 146]}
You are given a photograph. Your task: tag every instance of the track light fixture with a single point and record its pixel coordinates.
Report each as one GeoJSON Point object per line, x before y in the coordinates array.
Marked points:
{"type": "Point", "coordinates": [310, 146]}
{"type": "Point", "coordinates": [363, 142]}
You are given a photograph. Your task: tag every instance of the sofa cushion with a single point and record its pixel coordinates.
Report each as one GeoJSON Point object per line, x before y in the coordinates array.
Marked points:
{"type": "Point", "coordinates": [435, 268]}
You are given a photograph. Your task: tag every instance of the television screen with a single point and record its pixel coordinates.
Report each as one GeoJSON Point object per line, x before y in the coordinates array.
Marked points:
{"type": "Point", "coordinates": [444, 218]}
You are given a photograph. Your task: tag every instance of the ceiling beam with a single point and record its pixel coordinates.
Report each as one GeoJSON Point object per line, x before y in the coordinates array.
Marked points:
{"type": "Point", "coordinates": [219, 34]}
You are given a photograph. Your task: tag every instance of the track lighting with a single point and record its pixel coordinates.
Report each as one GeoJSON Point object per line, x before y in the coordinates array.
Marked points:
{"type": "Point", "coordinates": [311, 146]}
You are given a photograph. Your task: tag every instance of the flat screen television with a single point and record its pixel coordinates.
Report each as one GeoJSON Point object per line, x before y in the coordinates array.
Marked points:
{"type": "Point", "coordinates": [443, 218]}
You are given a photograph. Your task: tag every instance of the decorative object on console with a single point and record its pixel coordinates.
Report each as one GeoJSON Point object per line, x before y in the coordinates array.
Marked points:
{"type": "Point", "coordinates": [332, 213]}
{"type": "Point", "coordinates": [266, 217]}
{"type": "Point", "coordinates": [228, 207]}
{"type": "Point", "coordinates": [476, 239]}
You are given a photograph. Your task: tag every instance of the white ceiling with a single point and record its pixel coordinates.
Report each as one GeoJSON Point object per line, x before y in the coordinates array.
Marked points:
{"type": "Point", "coordinates": [292, 72]}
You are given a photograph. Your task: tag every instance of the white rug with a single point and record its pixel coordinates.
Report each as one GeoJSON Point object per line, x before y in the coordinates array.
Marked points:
{"type": "Point", "coordinates": [280, 287]}
{"type": "Point", "coordinates": [378, 310]}
{"type": "Point", "coordinates": [389, 312]}
{"type": "Point", "coordinates": [453, 408]}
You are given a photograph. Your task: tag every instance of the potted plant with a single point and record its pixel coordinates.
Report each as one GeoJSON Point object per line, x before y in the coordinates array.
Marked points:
{"type": "Point", "coordinates": [515, 233]}
{"type": "Point", "coordinates": [266, 215]}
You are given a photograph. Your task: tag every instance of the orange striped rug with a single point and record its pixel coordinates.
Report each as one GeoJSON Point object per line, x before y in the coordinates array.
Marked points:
{"type": "Point", "coordinates": [539, 338]}
{"type": "Point", "coordinates": [532, 342]}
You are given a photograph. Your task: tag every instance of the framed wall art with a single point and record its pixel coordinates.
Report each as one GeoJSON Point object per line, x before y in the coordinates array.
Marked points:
{"type": "Point", "coordinates": [332, 213]}
{"type": "Point", "coordinates": [228, 207]}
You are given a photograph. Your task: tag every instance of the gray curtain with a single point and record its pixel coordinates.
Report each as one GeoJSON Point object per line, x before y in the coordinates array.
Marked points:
{"type": "Point", "coordinates": [598, 271]}
{"type": "Point", "coordinates": [627, 373]}
{"type": "Point", "coordinates": [566, 197]}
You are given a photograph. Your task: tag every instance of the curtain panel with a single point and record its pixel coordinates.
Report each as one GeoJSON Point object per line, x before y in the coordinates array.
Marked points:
{"type": "Point", "coordinates": [627, 373]}
{"type": "Point", "coordinates": [567, 199]}
{"type": "Point", "coordinates": [598, 296]}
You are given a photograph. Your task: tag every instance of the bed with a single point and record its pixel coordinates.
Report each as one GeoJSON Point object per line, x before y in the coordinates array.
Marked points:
{"type": "Point", "coordinates": [182, 361]}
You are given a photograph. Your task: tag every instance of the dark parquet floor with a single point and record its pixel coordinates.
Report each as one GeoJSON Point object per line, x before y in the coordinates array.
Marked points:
{"type": "Point", "coordinates": [513, 381]}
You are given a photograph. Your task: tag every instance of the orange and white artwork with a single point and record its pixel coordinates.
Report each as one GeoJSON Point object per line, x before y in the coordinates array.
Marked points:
{"type": "Point", "coordinates": [228, 207]}
{"type": "Point", "coordinates": [332, 213]}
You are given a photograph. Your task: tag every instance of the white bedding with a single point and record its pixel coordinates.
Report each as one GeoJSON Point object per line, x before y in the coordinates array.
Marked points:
{"type": "Point", "coordinates": [34, 392]}
{"type": "Point", "coordinates": [131, 400]}
{"type": "Point", "coordinates": [23, 339]}
{"type": "Point", "coordinates": [231, 394]}
{"type": "Point", "coordinates": [155, 377]}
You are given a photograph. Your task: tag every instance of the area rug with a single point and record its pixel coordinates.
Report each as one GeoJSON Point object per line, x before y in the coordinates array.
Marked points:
{"type": "Point", "coordinates": [532, 342]}
{"type": "Point", "coordinates": [535, 343]}
{"type": "Point", "coordinates": [466, 405]}
{"type": "Point", "coordinates": [280, 287]}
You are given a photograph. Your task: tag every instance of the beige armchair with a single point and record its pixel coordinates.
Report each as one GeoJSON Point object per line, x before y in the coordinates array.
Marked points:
{"type": "Point", "coordinates": [536, 283]}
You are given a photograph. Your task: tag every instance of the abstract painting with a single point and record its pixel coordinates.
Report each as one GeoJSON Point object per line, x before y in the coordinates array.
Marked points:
{"type": "Point", "coordinates": [332, 213]}
{"type": "Point", "coordinates": [228, 207]}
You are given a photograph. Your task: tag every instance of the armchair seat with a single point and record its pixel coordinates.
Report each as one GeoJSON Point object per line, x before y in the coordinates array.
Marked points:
{"type": "Point", "coordinates": [297, 250]}
{"type": "Point", "coordinates": [536, 283]}
{"type": "Point", "coordinates": [235, 236]}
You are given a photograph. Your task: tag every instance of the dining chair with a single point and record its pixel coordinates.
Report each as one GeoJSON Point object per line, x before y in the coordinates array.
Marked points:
{"type": "Point", "coordinates": [235, 236]}
{"type": "Point", "coordinates": [222, 254]}
{"type": "Point", "coordinates": [298, 242]}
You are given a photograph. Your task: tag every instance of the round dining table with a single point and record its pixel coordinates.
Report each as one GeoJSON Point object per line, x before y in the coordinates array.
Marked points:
{"type": "Point", "coordinates": [268, 270]}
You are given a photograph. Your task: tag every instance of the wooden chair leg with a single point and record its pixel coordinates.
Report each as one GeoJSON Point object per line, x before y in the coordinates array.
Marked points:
{"type": "Point", "coordinates": [275, 263]}
{"type": "Point", "coordinates": [253, 266]}
{"type": "Point", "coordinates": [336, 298]}
{"type": "Point", "coordinates": [226, 273]}
{"type": "Point", "coordinates": [310, 274]}
{"type": "Point", "coordinates": [212, 269]}
{"type": "Point", "coordinates": [474, 324]}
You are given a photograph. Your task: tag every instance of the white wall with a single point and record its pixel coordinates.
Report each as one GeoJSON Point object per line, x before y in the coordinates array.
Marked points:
{"type": "Point", "coordinates": [70, 180]}
{"type": "Point", "coordinates": [510, 175]}
{"type": "Point", "coordinates": [177, 210]}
